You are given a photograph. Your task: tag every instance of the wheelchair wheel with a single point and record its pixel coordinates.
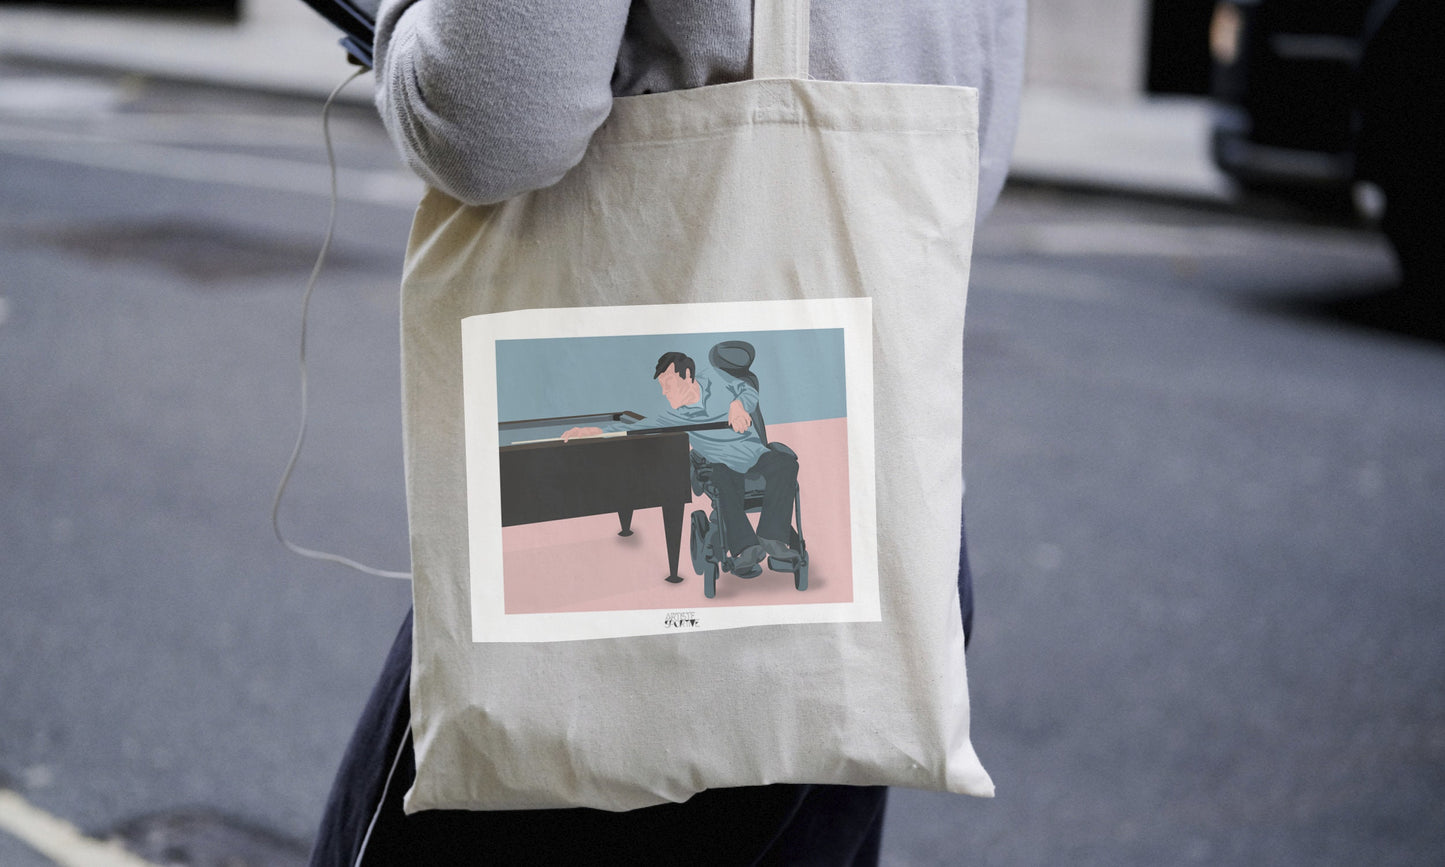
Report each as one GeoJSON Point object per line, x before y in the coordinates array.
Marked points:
{"type": "Point", "coordinates": [698, 544]}
{"type": "Point", "coordinates": [709, 580]}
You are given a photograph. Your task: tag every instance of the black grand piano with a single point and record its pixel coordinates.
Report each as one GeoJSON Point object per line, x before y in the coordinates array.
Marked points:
{"type": "Point", "coordinates": [545, 479]}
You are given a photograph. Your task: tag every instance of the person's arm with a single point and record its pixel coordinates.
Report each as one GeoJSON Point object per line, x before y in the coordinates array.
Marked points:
{"type": "Point", "coordinates": [742, 393]}
{"type": "Point", "coordinates": [489, 98]}
{"type": "Point", "coordinates": [744, 401]}
{"type": "Point", "coordinates": [666, 418]}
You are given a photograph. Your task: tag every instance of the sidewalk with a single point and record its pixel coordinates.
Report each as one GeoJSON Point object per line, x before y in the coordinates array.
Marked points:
{"type": "Point", "coordinates": [1157, 146]}
{"type": "Point", "coordinates": [1133, 145]}
{"type": "Point", "coordinates": [278, 45]}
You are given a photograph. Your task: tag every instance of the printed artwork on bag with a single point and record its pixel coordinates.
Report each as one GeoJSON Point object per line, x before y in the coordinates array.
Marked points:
{"type": "Point", "coordinates": [666, 469]}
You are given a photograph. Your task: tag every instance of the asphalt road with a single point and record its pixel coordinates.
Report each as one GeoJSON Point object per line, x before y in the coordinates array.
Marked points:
{"type": "Point", "coordinates": [1206, 500]}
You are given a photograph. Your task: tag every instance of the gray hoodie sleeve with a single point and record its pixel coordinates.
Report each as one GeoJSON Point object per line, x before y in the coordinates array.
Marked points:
{"type": "Point", "coordinates": [488, 98]}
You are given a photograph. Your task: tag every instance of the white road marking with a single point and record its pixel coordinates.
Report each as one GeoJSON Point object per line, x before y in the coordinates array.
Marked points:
{"type": "Point", "coordinates": [57, 97]}
{"type": "Point", "coordinates": [1126, 238]}
{"type": "Point", "coordinates": [59, 840]}
{"type": "Point", "coordinates": [245, 170]}
{"type": "Point", "coordinates": [222, 130]}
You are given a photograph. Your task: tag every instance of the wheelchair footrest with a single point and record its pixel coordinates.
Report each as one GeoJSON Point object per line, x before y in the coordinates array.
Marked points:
{"type": "Point", "coordinates": [787, 564]}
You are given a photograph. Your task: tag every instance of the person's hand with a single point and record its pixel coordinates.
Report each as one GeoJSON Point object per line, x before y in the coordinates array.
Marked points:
{"type": "Point", "coordinates": [582, 432]}
{"type": "Point", "coordinates": [739, 419]}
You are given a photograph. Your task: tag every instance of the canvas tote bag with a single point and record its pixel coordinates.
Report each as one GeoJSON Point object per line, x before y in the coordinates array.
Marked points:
{"type": "Point", "coordinates": [806, 244]}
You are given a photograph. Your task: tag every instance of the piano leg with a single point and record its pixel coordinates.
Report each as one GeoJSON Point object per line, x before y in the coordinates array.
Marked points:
{"type": "Point", "coordinates": [672, 527]}
{"type": "Point", "coordinates": [624, 517]}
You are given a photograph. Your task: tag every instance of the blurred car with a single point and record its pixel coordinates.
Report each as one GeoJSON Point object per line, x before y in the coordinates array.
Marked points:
{"type": "Point", "coordinates": [1339, 104]}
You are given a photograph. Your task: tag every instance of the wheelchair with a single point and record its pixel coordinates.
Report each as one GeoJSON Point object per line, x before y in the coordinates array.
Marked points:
{"type": "Point", "coordinates": [708, 546]}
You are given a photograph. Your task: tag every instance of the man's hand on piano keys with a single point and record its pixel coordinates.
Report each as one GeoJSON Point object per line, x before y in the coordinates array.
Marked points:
{"type": "Point", "coordinates": [582, 432]}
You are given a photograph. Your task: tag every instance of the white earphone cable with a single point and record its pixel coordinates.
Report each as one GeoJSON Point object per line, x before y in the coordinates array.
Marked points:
{"type": "Point", "coordinates": [305, 406]}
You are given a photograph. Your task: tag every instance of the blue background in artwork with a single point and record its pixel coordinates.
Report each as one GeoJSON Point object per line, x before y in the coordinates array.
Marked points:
{"type": "Point", "coordinates": [800, 373]}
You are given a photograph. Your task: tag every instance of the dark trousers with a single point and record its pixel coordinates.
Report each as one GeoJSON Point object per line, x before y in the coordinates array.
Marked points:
{"type": "Point", "coordinates": [827, 826]}
{"type": "Point", "coordinates": [780, 471]}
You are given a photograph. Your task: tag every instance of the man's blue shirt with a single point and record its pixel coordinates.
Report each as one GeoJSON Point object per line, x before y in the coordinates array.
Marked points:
{"type": "Point", "coordinates": [717, 391]}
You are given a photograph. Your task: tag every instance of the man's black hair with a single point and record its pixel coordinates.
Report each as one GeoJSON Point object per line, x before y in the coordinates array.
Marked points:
{"type": "Point", "coordinates": [684, 366]}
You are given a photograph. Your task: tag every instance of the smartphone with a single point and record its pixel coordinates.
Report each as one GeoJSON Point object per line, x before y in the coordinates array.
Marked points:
{"type": "Point", "coordinates": [357, 21]}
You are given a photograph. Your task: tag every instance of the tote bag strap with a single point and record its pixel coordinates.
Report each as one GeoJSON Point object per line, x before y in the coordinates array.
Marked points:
{"type": "Point", "coordinates": [780, 38]}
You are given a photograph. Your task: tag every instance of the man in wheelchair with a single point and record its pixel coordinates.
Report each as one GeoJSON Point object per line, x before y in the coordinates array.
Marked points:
{"type": "Point", "coordinates": [731, 451]}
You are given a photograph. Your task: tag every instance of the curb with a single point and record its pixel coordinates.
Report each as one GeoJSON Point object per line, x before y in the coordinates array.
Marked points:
{"type": "Point", "coordinates": [1096, 162]}
{"type": "Point", "coordinates": [65, 61]}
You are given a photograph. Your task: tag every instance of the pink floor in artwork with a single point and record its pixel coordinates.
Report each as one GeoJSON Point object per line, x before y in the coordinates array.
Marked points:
{"type": "Point", "coordinates": [583, 565]}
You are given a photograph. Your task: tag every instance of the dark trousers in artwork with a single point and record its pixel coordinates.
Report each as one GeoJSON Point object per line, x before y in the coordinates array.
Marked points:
{"type": "Point", "coordinates": [780, 471]}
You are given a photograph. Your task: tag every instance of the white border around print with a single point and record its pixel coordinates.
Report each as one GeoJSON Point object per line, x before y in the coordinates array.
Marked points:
{"type": "Point", "coordinates": [491, 623]}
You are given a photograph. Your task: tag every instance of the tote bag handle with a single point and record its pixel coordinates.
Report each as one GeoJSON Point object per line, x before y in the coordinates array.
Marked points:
{"type": "Point", "coordinates": [780, 38]}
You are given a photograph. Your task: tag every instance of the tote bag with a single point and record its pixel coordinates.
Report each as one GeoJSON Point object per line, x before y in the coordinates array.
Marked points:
{"type": "Point", "coordinates": [590, 630]}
